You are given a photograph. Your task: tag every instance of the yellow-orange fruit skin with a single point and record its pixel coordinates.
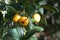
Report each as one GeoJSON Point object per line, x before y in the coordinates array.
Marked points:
{"type": "Point", "coordinates": [16, 17]}
{"type": "Point", "coordinates": [23, 21]}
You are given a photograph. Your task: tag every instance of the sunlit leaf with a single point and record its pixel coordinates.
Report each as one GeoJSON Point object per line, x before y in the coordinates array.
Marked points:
{"type": "Point", "coordinates": [33, 38]}
{"type": "Point", "coordinates": [41, 10]}
{"type": "Point", "coordinates": [20, 32]}
{"type": "Point", "coordinates": [38, 28]}
{"type": "Point", "coordinates": [42, 3]}
{"type": "Point", "coordinates": [10, 1]}
{"type": "Point", "coordinates": [14, 33]}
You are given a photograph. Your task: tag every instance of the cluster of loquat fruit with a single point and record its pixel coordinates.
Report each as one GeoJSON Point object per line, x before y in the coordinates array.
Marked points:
{"type": "Point", "coordinates": [23, 20]}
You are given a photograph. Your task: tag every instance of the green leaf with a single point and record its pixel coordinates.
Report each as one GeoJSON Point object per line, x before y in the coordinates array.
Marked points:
{"type": "Point", "coordinates": [10, 12]}
{"type": "Point", "coordinates": [1, 17]}
{"type": "Point", "coordinates": [17, 6]}
{"type": "Point", "coordinates": [38, 28]}
{"type": "Point", "coordinates": [29, 10]}
{"type": "Point", "coordinates": [10, 1]}
{"type": "Point", "coordinates": [43, 21]}
{"type": "Point", "coordinates": [25, 2]}
{"type": "Point", "coordinates": [28, 34]}
{"type": "Point", "coordinates": [42, 3]}
{"type": "Point", "coordinates": [5, 20]}
{"type": "Point", "coordinates": [20, 32]}
{"type": "Point", "coordinates": [41, 10]}
{"type": "Point", "coordinates": [50, 8]}
{"type": "Point", "coordinates": [8, 37]}
{"type": "Point", "coordinates": [37, 1]}
{"type": "Point", "coordinates": [32, 20]}
{"type": "Point", "coordinates": [33, 38]}
{"type": "Point", "coordinates": [2, 5]}
{"type": "Point", "coordinates": [31, 23]}
{"type": "Point", "coordinates": [17, 33]}
{"type": "Point", "coordinates": [3, 29]}
{"type": "Point", "coordinates": [14, 34]}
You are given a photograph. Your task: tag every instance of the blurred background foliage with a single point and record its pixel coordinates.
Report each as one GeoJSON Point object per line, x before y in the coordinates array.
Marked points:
{"type": "Point", "coordinates": [47, 29]}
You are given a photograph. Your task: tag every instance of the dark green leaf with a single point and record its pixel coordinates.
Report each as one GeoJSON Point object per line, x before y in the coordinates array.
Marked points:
{"type": "Point", "coordinates": [10, 12]}
{"type": "Point", "coordinates": [2, 5]}
{"type": "Point", "coordinates": [29, 9]}
{"type": "Point", "coordinates": [37, 1]}
{"type": "Point", "coordinates": [5, 20]}
{"type": "Point", "coordinates": [50, 8]}
{"type": "Point", "coordinates": [43, 21]}
{"type": "Point", "coordinates": [8, 37]}
{"type": "Point", "coordinates": [1, 17]}
{"type": "Point", "coordinates": [17, 6]}
{"type": "Point", "coordinates": [28, 34]}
